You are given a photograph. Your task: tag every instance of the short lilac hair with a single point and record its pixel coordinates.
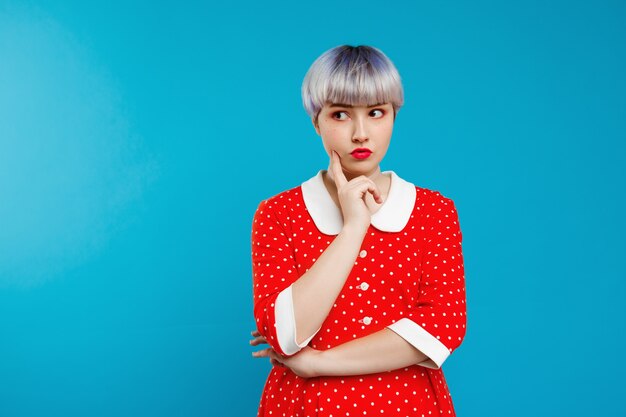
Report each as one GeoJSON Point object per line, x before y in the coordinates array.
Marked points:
{"type": "Point", "coordinates": [356, 75]}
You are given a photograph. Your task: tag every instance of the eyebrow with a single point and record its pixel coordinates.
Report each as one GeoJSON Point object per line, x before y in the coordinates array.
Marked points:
{"type": "Point", "coordinates": [350, 105]}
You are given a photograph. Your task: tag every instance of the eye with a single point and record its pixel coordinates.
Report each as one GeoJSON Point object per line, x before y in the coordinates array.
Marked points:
{"type": "Point", "coordinates": [377, 111]}
{"type": "Point", "coordinates": [337, 115]}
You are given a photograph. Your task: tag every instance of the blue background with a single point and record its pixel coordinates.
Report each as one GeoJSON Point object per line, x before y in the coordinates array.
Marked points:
{"type": "Point", "coordinates": [137, 139]}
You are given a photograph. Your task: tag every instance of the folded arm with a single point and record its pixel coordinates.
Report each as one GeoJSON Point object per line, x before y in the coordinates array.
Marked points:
{"type": "Point", "coordinates": [377, 352]}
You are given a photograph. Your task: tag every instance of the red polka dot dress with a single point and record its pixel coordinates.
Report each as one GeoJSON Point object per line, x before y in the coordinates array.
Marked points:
{"type": "Point", "coordinates": [408, 277]}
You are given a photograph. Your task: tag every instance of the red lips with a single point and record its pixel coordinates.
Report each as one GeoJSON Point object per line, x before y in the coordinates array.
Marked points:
{"type": "Point", "coordinates": [361, 153]}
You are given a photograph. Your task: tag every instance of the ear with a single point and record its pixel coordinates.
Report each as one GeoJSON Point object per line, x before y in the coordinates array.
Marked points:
{"type": "Point", "coordinates": [317, 128]}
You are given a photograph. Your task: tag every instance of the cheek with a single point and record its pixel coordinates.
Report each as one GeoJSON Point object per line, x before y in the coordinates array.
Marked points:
{"type": "Point", "coordinates": [385, 129]}
{"type": "Point", "coordinates": [331, 134]}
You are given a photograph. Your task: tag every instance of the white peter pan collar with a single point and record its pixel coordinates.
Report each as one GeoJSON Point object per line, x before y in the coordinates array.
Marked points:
{"type": "Point", "coordinates": [392, 216]}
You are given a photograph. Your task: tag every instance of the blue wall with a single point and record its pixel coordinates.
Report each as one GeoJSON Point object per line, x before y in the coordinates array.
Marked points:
{"type": "Point", "coordinates": [136, 141]}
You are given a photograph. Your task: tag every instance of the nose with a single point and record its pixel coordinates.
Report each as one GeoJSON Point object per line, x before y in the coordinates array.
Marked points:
{"type": "Point", "coordinates": [360, 132]}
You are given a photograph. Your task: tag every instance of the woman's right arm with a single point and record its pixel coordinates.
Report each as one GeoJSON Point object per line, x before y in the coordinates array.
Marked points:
{"type": "Point", "coordinates": [315, 292]}
{"type": "Point", "coordinates": [290, 309]}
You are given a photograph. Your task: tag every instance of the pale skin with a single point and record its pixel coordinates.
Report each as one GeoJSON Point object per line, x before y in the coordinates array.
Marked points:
{"type": "Point", "coordinates": [355, 186]}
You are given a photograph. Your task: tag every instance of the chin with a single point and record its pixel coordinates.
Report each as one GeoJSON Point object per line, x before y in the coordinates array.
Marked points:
{"type": "Point", "coordinates": [362, 169]}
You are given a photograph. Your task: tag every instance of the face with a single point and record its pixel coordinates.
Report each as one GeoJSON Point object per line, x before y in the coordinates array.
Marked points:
{"type": "Point", "coordinates": [344, 129]}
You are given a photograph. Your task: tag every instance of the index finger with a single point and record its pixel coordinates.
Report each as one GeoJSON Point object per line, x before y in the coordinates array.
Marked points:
{"type": "Point", "coordinates": [338, 176]}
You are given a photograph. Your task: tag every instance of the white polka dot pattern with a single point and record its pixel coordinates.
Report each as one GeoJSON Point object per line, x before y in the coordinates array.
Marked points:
{"type": "Point", "coordinates": [411, 281]}
{"type": "Point", "coordinates": [436, 323]}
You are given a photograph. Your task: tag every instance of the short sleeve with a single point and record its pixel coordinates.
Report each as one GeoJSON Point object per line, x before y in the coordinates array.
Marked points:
{"type": "Point", "coordinates": [274, 270]}
{"type": "Point", "coordinates": [436, 324]}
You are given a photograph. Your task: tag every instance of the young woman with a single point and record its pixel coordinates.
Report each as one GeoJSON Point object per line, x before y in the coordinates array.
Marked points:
{"type": "Point", "coordinates": [358, 276]}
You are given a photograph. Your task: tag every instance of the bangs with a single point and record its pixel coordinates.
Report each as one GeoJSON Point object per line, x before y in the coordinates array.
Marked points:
{"type": "Point", "coordinates": [363, 85]}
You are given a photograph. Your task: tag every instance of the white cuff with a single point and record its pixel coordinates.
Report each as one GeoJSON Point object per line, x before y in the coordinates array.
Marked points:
{"type": "Point", "coordinates": [286, 323]}
{"type": "Point", "coordinates": [425, 342]}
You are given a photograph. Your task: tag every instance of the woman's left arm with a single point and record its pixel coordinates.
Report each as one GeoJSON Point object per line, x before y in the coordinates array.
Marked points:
{"type": "Point", "coordinates": [377, 352]}
{"type": "Point", "coordinates": [381, 351]}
